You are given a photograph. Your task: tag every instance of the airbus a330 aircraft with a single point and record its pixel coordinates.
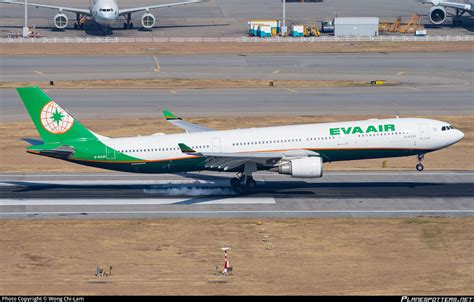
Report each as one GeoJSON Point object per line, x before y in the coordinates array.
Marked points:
{"type": "Point", "coordinates": [437, 13]}
{"type": "Point", "coordinates": [103, 12]}
{"type": "Point", "coordinates": [298, 150]}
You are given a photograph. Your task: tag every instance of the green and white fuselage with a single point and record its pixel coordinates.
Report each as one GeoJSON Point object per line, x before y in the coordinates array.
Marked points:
{"type": "Point", "coordinates": [241, 150]}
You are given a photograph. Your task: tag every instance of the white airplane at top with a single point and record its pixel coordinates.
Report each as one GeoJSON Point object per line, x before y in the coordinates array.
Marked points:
{"type": "Point", "coordinates": [437, 13]}
{"type": "Point", "coordinates": [103, 12]}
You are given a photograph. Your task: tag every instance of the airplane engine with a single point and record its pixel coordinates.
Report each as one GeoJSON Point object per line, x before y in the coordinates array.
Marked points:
{"type": "Point", "coordinates": [307, 167]}
{"type": "Point", "coordinates": [148, 21]}
{"type": "Point", "coordinates": [60, 21]}
{"type": "Point", "coordinates": [437, 15]}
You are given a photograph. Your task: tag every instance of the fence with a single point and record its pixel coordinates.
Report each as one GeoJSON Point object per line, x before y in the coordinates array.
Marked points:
{"type": "Point", "coordinates": [239, 39]}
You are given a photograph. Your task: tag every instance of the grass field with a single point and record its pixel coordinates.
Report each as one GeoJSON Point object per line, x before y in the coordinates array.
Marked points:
{"type": "Point", "coordinates": [228, 48]}
{"type": "Point", "coordinates": [419, 256]}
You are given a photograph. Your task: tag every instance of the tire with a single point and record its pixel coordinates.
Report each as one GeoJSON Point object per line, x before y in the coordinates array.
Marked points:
{"type": "Point", "coordinates": [131, 26]}
{"type": "Point", "coordinates": [125, 26]}
{"type": "Point", "coordinates": [420, 167]}
{"type": "Point", "coordinates": [250, 184]}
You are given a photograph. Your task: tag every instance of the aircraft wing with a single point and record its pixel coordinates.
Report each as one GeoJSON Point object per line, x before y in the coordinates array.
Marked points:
{"type": "Point", "coordinates": [147, 8]}
{"type": "Point", "coordinates": [229, 161]}
{"type": "Point", "coordinates": [83, 11]}
{"type": "Point", "coordinates": [455, 5]}
{"type": "Point", "coordinates": [178, 122]}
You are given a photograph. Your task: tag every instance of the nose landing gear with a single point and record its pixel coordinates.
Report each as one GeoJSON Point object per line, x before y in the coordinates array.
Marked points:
{"type": "Point", "coordinates": [419, 165]}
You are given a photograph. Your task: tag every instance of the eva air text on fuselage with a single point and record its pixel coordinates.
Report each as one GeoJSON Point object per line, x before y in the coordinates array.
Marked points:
{"type": "Point", "coordinates": [357, 129]}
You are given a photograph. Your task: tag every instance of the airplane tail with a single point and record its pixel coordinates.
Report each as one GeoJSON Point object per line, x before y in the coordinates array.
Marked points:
{"type": "Point", "coordinates": [54, 124]}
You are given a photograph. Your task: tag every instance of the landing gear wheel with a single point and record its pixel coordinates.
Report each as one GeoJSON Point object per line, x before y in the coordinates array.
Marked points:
{"type": "Point", "coordinates": [457, 21]}
{"type": "Point", "coordinates": [250, 183]}
{"type": "Point", "coordinates": [235, 182]}
{"type": "Point", "coordinates": [76, 25]}
{"type": "Point", "coordinates": [130, 26]}
{"type": "Point", "coordinates": [125, 26]}
{"type": "Point", "coordinates": [236, 185]}
{"type": "Point", "coordinates": [420, 167]}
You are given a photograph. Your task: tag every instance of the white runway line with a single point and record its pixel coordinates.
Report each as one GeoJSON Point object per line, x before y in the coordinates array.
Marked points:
{"type": "Point", "coordinates": [188, 182]}
{"type": "Point", "coordinates": [263, 212]}
{"type": "Point", "coordinates": [133, 202]}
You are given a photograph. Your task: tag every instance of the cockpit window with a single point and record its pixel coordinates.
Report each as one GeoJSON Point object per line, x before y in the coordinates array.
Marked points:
{"type": "Point", "coordinates": [446, 128]}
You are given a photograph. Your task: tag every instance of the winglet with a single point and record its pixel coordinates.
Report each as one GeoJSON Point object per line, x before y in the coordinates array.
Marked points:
{"type": "Point", "coordinates": [170, 116]}
{"type": "Point", "coordinates": [185, 149]}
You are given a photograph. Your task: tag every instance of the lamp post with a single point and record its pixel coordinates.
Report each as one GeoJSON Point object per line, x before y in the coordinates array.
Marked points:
{"type": "Point", "coordinates": [25, 27]}
{"type": "Point", "coordinates": [283, 26]}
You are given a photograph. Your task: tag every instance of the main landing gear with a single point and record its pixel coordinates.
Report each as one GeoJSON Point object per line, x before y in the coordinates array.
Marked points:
{"type": "Point", "coordinates": [244, 180]}
{"type": "Point", "coordinates": [128, 24]}
{"type": "Point", "coordinates": [457, 21]}
{"type": "Point", "coordinates": [419, 165]}
{"type": "Point", "coordinates": [79, 24]}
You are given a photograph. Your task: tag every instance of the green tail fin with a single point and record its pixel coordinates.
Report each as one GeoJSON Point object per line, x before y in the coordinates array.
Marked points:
{"type": "Point", "coordinates": [53, 123]}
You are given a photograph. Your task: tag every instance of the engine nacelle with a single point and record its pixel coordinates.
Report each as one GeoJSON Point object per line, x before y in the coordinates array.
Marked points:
{"type": "Point", "coordinates": [306, 167]}
{"type": "Point", "coordinates": [60, 21]}
{"type": "Point", "coordinates": [437, 15]}
{"type": "Point", "coordinates": [148, 21]}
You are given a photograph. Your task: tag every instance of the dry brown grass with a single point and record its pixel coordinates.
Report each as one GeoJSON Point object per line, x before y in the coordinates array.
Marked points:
{"type": "Point", "coordinates": [229, 48]}
{"type": "Point", "coordinates": [15, 159]}
{"type": "Point", "coordinates": [330, 256]}
{"type": "Point", "coordinates": [186, 84]}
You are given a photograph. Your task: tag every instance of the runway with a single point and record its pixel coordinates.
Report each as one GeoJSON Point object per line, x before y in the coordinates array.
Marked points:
{"type": "Point", "coordinates": [339, 194]}
{"type": "Point", "coordinates": [431, 83]}
{"type": "Point", "coordinates": [414, 69]}
{"type": "Point", "coordinates": [225, 17]}
{"type": "Point", "coordinates": [148, 103]}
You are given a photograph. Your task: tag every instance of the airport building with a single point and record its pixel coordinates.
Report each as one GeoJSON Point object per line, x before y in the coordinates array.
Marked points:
{"type": "Point", "coordinates": [356, 27]}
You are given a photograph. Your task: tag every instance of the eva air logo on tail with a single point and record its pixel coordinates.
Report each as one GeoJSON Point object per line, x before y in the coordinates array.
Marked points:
{"type": "Point", "coordinates": [54, 119]}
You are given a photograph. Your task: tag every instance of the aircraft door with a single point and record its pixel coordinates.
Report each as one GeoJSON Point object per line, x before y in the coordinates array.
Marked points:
{"type": "Point", "coordinates": [110, 153]}
{"type": "Point", "coordinates": [342, 141]}
{"type": "Point", "coordinates": [216, 145]}
{"type": "Point", "coordinates": [424, 131]}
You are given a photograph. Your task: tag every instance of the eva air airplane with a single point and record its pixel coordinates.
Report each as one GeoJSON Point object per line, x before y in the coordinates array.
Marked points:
{"type": "Point", "coordinates": [298, 150]}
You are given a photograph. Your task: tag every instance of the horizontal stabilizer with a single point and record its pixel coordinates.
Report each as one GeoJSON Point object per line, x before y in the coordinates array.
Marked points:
{"type": "Point", "coordinates": [33, 141]}
{"type": "Point", "coordinates": [62, 152]}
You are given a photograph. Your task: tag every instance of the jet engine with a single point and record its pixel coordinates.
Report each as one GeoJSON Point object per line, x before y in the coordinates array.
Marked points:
{"type": "Point", "coordinates": [307, 167]}
{"type": "Point", "coordinates": [437, 15]}
{"type": "Point", "coordinates": [148, 21]}
{"type": "Point", "coordinates": [60, 21]}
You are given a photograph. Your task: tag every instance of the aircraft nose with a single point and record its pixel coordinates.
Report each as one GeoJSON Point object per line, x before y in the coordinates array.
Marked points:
{"type": "Point", "coordinates": [458, 135]}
